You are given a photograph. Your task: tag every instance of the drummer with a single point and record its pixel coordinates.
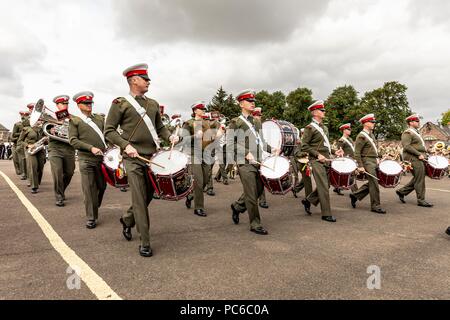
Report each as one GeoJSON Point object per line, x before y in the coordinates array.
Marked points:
{"type": "Point", "coordinates": [348, 146]}
{"type": "Point", "coordinates": [414, 151]}
{"type": "Point", "coordinates": [367, 157]}
{"type": "Point", "coordinates": [257, 113]}
{"type": "Point", "coordinates": [316, 144]}
{"type": "Point", "coordinates": [245, 146]}
{"type": "Point", "coordinates": [139, 118]}
{"type": "Point", "coordinates": [86, 136]}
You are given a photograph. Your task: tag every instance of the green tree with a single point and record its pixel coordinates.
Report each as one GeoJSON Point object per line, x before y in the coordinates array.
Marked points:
{"type": "Point", "coordinates": [218, 102]}
{"type": "Point", "coordinates": [342, 102]}
{"type": "Point", "coordinates": [297, 103]}
{"type": "Point", "coordinates": [390, 106]}
{"type": "Point", "coordinates": [272, 105]}
{"type": "Point", "coordinates": [231, 108]}
{"type": "Point", "coordinates": [446, 118]}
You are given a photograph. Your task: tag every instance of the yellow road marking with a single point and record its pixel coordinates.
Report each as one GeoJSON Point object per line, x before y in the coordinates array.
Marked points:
{"type": "Point", "coordinates": [94, 282]}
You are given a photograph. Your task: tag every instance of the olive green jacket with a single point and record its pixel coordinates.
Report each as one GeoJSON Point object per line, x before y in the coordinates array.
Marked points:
{"type": "Point", "coordinates": [348, 151]}
{"type": "Point", "coordinates": [135, 131]}
{"type": "Point", "coordinates": [313, 142]}
{"type": "Point", "coordinates": [364, 148]}
{"type": "Point", "coordinates": [82, 137]}
{"type": "Point", "coordinates": [412, 146]}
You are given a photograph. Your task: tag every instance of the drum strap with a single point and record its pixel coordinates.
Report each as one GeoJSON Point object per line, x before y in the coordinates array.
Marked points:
{"type": "Point", "coordinates": [143, 113]}
{"type": "Point", "coordinates": [370, 140]}
{"type": "Point", "coordinates": [92, 124]}
{"type": "Point", "coordinates": [326, 142]}
{"type": "Point", "coordinates": [418, 135]}
{"type": "Point", "coordinates": [349, 143]}
{"type": "Point", "coordinates": [252, 129]}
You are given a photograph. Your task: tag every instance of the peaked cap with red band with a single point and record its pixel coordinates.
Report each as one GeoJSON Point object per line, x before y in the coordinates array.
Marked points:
{"type": "Point", "coordinates": [137, 70]}
{"type": "Point", "coordinates": [84, 97]}
{"type": "Point", "coordinates": [198, 105]}
{"type": "Point", "coordinates": [414, 117]}
{"type": "Point", "coordinates": [246, 94]}
{"type": "Point", "coordinates": [317, 105]}
{"type": "Point", "coordinates": [24, 113]}
{"type": "Point", "coordinates": [30, 106]}
{"type": "Point", "coordinates": [176, 116]}
{"type": "Point", "coordinates": [61, 99]}
{"type": "Point", "coordinates": [345, 127]}
{"type": "Point", "coordinates": [367, 118]}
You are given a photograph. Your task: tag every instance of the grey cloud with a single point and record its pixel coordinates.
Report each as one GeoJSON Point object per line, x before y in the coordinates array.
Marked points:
{"type": "Point", "coordinates": [221, 21]}
{"type": "Point", "coordinates": [434, 11]}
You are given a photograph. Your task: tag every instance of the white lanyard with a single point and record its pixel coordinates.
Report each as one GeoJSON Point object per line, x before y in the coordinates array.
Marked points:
{"type": "Point", "coordinates": [418, 135]}
{"type": "Point", "coordinates": [141, 111]}
{"type": "Point", "coordinates": [371, 141]}
{"type": "Point", "coordinates": [326, 142]}
{"type": "Point", "coordinates": [252, 129]}
{"type": "Point", "coordinates": [92, 124]}
{"type": "Point", "coordinates": [349, 143]}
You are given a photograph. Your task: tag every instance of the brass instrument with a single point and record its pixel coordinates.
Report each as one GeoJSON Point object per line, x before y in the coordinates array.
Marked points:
{"type": "Point", "coordinates": [38, 146]}
{"type": "Point", "coordinates": [438, 148]}
{"type": "Point", "coordinates": [165, 119]}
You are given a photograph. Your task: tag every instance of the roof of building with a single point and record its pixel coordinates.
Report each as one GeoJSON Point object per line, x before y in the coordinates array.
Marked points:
{"type": "Point", "coordinates": [2, 128]}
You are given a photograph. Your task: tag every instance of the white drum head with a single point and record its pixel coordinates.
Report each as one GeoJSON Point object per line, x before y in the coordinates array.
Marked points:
{"type": "Point", "coordinates": [344, 165]}
{"type": "Point", "coordinates": [177, 162]}
{"type": "Point", "coordinates": [390, 167]}
{"type": "Point", "coordinates": [271, 134]}
{"type": "Point", "coordinates": [280, 169]}
{"type": "Point", "coordinates": [112, 158]}
{"type": "Point", "coordinates": [438, 162]}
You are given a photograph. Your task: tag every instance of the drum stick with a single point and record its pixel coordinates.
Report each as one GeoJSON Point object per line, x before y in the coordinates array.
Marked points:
{"type": "Point", "coordinates": [150, 162]}
{"type": "Point", "coordinates": [173, 143]}
{"type": "Point", "coordinates": [262, 165]}
{"type": "Point", "coordinates": [371, 175]}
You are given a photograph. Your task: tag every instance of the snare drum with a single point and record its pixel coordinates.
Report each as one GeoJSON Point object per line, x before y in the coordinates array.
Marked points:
{"type": "Point", "coordinates": [276, 176]}
{"type": "Point", "coordinates": [342, 172]}
{"type": "Point", "coordinates": [436, 167]}
{"type": "Point", "coordinates": [170, 177]}
{"type": "Point", "coordinates": [389, 173]}
{"type": "Point", "coordinates": [280, 135]}
{"type": "Point", "coordinates": [113, 168]}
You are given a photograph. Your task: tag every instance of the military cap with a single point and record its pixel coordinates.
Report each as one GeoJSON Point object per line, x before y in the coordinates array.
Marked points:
{"type": "Point", "coordinates": [30, 106]}
{"type": "Point", "coordinates": [137, 70]}
{"type": "Point", "coordinates": [61, 99]}
{"type": "Point", "coordinates": [368, 118]}
{"type": "Point", "coordinates": [248, 94]}
{"type": "Point", "coordinates": [346, 126]}
{"type": "Point", "coordinates": [24, 113]}
{"type": "Point", "coordinates": [302, 130]}
{"type": "Point", "coordinates": [318, 105]}
{"type": "Point", "coordinates": [198, 105]}
{"type": "Point", "coordinates": [84, 97]}
{"type": "Point", "coordinates": [414, 117]}
{"type": "Point", "coordinates": [257, 112]}
{"type": "Point", "coordinates": [176, 116]}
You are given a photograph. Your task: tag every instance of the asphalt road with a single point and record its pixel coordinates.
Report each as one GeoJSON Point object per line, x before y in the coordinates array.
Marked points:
{"type": "Point", "coordinates": [211, 258]}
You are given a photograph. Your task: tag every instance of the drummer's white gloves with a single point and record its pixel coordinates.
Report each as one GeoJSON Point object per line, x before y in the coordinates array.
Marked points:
{"type": "Point", "coordinates": [174, 139]}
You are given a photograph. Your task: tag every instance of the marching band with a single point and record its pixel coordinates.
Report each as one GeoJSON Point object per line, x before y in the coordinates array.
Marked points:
{"type": "Point", "coordinates": [140, 147]}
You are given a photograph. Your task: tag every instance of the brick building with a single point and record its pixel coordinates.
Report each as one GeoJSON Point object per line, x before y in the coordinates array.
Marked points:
{"type": "Point", "coordinates": [4, 133]}
{"type": "Point", "coordinates": [433, 133]}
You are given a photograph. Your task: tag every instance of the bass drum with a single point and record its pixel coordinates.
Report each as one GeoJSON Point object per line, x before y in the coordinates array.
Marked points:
{"type": "Point", "coordinates": [280, 135]}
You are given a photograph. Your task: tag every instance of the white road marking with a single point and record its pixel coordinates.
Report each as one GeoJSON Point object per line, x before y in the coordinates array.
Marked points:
{"type": "Point", "coordinates": [94, 282]}
{"type": "Point", "coordinates": [441, 190]}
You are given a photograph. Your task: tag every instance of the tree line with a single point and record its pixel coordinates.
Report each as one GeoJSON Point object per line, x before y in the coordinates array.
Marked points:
{"type": "Point", "coordinates": [389, 104]}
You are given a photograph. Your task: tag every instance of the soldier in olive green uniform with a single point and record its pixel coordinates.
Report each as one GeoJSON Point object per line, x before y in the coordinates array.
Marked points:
{"type": "Point", "coordinates": [17, 149]}
{"type": "Point", "coordinates": [246, 146]}
{"type": "Point", "coordinates": [137, 116]}
{"type": "Point", "coordinates": [301, 159]}
{"type": "Point", "coordinates": [35, 162]}
{"type": "Point", "coordinates": [348, 146]}
{"type": "Point", "coordinates": [86, 136]}
{"type": "Point", "coordinates": [366, 155]}
{"type": "Point", "coordinates": [199, 133]}
{"type": "Point", "coordinates": [315, 142]}
{"type": "Point", "coordinates": [414, 151]}
{"type": "Point", "coordinates": [61, 157]}
{"type": "Point", "coordinates": [257, 113]}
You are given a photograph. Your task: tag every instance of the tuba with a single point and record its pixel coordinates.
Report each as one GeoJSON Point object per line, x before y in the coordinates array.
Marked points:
{"type": "Point", "coordinates": [438, 147]}
{"type": "Point", "coordinates": [38, 146]}
{"type": "Point", "coordinates": [61, 132]}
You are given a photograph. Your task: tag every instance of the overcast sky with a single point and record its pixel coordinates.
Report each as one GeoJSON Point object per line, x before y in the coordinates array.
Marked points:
{"type": "Point", "coordinates": [49, 48]}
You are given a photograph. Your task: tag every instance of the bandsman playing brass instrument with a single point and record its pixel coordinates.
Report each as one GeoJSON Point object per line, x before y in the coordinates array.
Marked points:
{"type": "Point", "coordinates": [316, 143]}
{"type": "Point", "coordinates": [86, 136]}
{"type": "Point", "coordinates": [367, 157]}
{"type": "Point", "coordinates": [414, 151]}
{"type": "Point", "coordinates": [62, 157]}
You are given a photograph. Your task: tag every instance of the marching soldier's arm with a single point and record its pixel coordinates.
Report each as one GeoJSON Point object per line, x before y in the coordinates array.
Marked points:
{"type": "Point", "coordinates": [359, 144]}
{"type": "Point", "coordinates": [306, 140]}
{"type": "Point", "coordinates": [74, 140]}
{"type": "Point", "coordinates": [113, 121]}
{"type": "Point", "coordinates": [15, 134]}
{"type": "Point", "coordinates": [230, 140]}
{"type": "Point", "coordinates": [23, 135]}
{"type": "Point", "coordinates": [406, 143]}
{"type": "Point", "coordinates": [341, 144]}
